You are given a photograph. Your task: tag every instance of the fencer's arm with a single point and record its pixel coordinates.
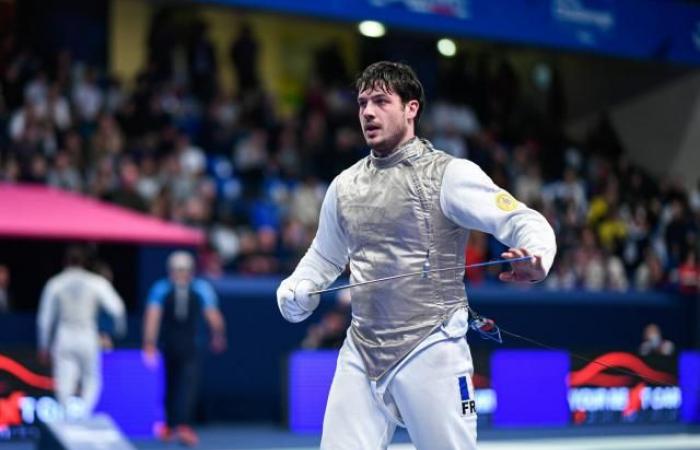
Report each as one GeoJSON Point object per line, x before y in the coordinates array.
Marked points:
{"type": "Point", "coordinates": [323, 262]}
{"type": "Point", "coordinates": [114, 305]}
{"type": "Point", "coordinates": [472, 200]}
{"type": "Point", "coordinates": [46, 316]}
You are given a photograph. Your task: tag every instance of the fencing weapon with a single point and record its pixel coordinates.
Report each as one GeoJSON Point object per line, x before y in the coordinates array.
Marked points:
{"type": "Point", "coordinates": [423, 273]}
{"type": "Point", "coordinates": [485, 327]}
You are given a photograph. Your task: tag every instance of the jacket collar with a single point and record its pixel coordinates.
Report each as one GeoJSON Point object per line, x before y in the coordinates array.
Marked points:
{"type": "Point", "coordinates": [407, 150]}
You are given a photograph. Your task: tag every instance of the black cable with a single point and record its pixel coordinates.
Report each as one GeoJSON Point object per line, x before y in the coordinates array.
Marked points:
{"type": "Point", "coordinates": [477, 316]}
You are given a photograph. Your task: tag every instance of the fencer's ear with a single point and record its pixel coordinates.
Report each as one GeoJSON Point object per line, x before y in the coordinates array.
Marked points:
{"type": "Point", "coordinates": [412, 109]}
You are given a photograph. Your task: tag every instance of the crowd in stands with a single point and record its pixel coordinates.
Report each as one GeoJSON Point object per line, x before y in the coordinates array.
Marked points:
{"type": "Point", "coordinates": [173, 144]}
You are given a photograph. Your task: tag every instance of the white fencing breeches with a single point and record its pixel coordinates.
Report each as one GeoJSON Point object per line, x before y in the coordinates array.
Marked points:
{"type": "Point", "coordinates": [430, 393]}
{"type": "Point", "coordinates": [76, 361]}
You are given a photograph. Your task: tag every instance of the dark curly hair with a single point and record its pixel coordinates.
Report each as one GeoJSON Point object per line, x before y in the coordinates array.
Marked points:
{"type": "Point", "coordinates": [395, 77]}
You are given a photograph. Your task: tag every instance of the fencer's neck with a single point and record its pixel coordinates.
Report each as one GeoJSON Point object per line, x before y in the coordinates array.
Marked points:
{"type": "Point", "coordinates": [383, 154]}
{"type": "Point", "coordinates": [406, 150]}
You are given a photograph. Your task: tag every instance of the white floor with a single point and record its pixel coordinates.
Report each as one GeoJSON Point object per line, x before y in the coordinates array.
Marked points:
{"type": "Point", "coordinates": [660, 442]}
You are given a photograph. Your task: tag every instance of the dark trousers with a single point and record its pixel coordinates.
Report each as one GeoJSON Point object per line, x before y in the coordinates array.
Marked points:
{"type": "Point", "coordinates": [181, 373]}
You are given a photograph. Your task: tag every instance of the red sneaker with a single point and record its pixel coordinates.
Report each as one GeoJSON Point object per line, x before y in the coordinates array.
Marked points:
{"type": "Point", "coordinates": [187, 436]}
{"type": "Point", "coordinates": [164, 433]}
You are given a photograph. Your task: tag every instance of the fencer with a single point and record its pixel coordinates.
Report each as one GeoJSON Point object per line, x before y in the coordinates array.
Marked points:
{"type": "Point", "coordinates": [404, 207]}
{"type": "Point", "coordinates": [67, 325]}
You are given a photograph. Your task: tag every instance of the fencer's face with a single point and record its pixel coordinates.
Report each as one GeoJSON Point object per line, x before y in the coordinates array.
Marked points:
{"type": "Point", "coordinates": [386, 121]}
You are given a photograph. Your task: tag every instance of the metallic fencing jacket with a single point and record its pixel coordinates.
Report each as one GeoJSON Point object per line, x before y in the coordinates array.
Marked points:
{"type": "Point", "coordinates": [402, 213]}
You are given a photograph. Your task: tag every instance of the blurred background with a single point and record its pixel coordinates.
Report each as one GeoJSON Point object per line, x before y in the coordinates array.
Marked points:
{"type": "Point", "coordinates": [145, 126]}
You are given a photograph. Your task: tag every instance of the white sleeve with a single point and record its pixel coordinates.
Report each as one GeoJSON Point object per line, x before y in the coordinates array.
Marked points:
{"type": "Point", "coordinates": [47, 315]}
{"type": "Point", "coordinates": [472, 200]}
{"type": "Point", "coordinates": [113, 304]}
{"type": "Point", "coordinates": [327, 256]}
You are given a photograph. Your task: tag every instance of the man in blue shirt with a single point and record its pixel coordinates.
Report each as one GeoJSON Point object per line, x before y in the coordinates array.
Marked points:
{"type": "Point", "coordinates": [173, 310]}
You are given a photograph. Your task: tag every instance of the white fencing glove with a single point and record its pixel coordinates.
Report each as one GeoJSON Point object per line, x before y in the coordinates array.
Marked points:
{"type": "Point", "coordinates": [294, 301]}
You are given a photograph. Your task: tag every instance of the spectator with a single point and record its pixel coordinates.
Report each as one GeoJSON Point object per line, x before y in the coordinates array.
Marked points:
{"type": "Point", "coordinates": [11, 171]}
{"type": "Point", "coordinates": [127, 194]}
{"type": "Point", "coordinates": [36, 91]}
{"type": "Point", "coordinates": [5, 304]}
{"type": "Point", "coordinates": [330, 331]}
{"type": "Point", "coordinates": [202, 63]}
{"type": "Point", "coordinates": [695, 198]}
{"type": "Point", "coordinates": [563, 276]}
{"type": "Point", "coordinates": [688, 274]}
{"type": "Point", "coordinates": [528, 185]}
{"type": "Point", "coordinates": [476, 252]}
{"type": "Point", "coordinates": [192, 159]}
{"type": "Point", "coordinates": [87, 97]}
{"type": "Point", "coordinates": [64, 174]}
{"type": "Point", "coordinates": [244, 57]}
{"type": "Point", "coordinates": [680, 231]}
{"type": "Point", "coordinates": [152, 147]}
{"type": "Point", "coordinates": [56, 109]}
{"type": "Point", "coordinates": [616, 276]}
{"type": "Point", "coordinates": [650, 273]}
{"type": "Point", "coordinates": [570, 189]}
{"type": "Point", "coordinates": [653, 342]}
{"type": "Point", "coordinates": [149, 184]}
{"type": "Point", "coordinates": [306, 201]}
{"type": "Point", "coordinates": [108, 140]}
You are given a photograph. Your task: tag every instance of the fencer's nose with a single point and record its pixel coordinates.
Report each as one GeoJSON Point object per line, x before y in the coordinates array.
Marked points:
{"type": "Point", "coordinates": [368, 112]}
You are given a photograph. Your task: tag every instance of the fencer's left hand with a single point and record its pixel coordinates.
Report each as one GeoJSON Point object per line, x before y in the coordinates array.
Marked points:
{"type": "Point", "coordinates": [526, 271]}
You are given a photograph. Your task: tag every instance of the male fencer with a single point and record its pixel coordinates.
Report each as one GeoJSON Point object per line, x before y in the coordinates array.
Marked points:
{"type": "Point", "coordinates": [404, 208]}
{"type": "Point", "coordinates": [70, 303]}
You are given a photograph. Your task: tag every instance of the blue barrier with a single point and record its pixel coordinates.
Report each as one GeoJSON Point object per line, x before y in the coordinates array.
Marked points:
{"type": "Point", "coordinates": [531, 387]}
{"type": "Point", "coordinates": [689, 370]}
{"type": "Point", "coordinates": [132, 394]}
{"type": "Point", "coordinates": [247, 383]}
{"type": "Point", "coordinates": [538, 388]}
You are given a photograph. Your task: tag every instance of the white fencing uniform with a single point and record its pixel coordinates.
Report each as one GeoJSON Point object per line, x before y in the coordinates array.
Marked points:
{"type": "Point", "coordinates": [70, 304]}
{"type": "Point", "coordinates": [422, 393]}
{"type": "Point", "coordinates": [406, 360]}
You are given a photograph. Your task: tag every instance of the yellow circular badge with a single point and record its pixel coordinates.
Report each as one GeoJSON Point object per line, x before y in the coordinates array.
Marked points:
{"type": "Point", "coordinates": [506, 202]}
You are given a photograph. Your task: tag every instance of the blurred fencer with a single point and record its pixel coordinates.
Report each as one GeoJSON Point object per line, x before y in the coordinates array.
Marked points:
{"type": "Point", "coordinates": [67, 326]}
{"type": "Point", "coordinates": [407, 207]}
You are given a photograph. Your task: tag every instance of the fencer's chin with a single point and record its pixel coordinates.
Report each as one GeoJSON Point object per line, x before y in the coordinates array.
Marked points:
{"type": "Point", "coordinates": [371, 136]}
{"type": "Point", "coordinates": [372, 141]}
{"type": "Point", "coordinates": [375, 144]}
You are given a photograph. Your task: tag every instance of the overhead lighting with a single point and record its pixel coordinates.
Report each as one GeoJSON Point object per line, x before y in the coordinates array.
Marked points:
{"type": "Point", "coordinates": [371, 28]}
{"type": "Point", "coordinates": [447, 47]}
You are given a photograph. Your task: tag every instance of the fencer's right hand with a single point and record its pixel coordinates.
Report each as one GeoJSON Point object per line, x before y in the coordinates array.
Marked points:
{"type": "Point", "coordinates": [294, 301]}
